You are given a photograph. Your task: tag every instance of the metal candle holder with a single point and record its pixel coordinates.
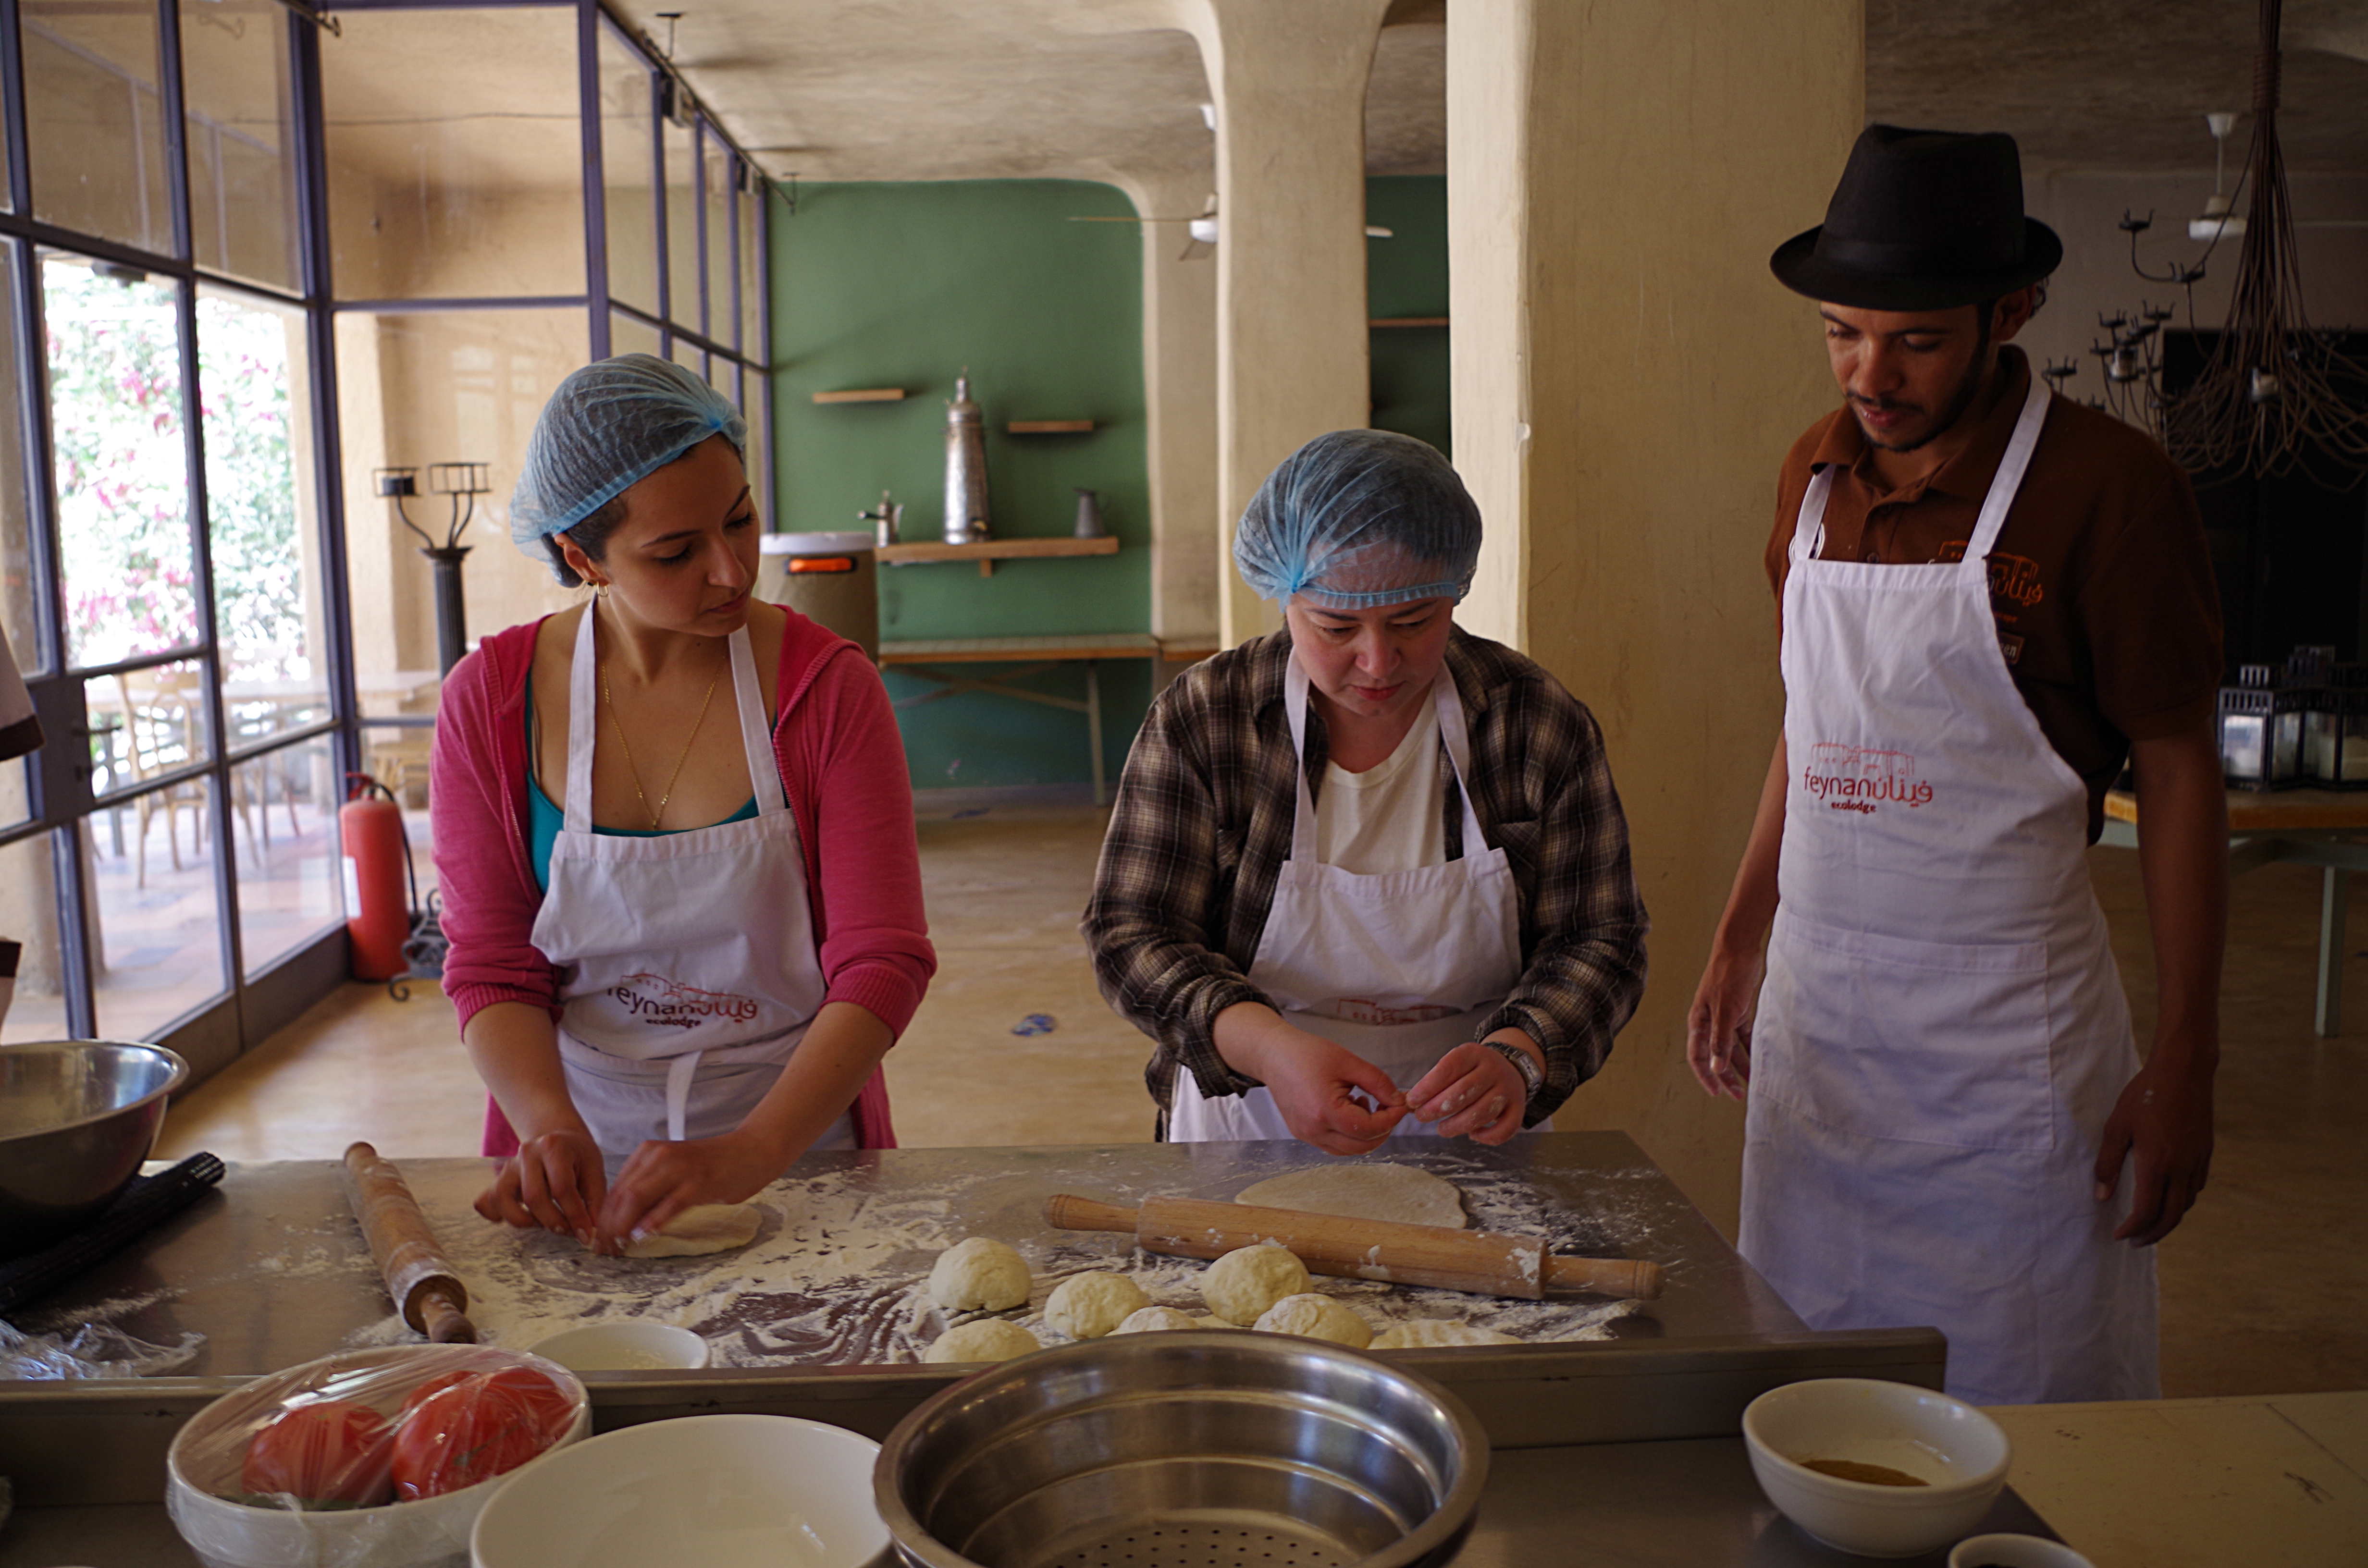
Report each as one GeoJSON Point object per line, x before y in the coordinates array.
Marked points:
{"type": "Point", "coordinates": [461, 483]}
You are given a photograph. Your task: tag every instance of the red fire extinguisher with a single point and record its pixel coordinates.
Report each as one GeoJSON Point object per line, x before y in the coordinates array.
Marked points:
{"type": "Point", "coordinates": [378, 863]}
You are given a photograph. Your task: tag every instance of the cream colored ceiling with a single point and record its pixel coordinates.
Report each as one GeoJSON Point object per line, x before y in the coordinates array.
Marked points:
{"type": "Point", "coordinates": [964, 90]}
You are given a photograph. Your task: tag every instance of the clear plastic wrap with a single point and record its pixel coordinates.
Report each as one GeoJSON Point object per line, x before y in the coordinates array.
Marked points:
{"type": "Point", "coordinates": [92, 1350]}
{"type": "Point", "coordinates": [372, 1459]}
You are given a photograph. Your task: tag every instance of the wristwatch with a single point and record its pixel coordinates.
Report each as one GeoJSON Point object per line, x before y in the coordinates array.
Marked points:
{"type": "Point", "coordinates": [1533, 1077]}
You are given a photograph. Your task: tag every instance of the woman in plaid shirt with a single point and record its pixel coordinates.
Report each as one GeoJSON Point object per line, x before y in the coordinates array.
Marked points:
{"type": "Point", "coordinates": [1367, 876]}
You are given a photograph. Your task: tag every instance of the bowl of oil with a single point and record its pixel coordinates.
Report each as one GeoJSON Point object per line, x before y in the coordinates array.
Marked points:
{"type": "Point", "coordinates": [1879, 1469]}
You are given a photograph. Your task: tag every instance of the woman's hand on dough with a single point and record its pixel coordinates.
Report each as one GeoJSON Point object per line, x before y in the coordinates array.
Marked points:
{"type": "Point", "coordinates": [555, 1180]}
{"type": "Point", "coordinates": [664, 1178]}
{"type": "Point", "coordinates": [1474, 1093]}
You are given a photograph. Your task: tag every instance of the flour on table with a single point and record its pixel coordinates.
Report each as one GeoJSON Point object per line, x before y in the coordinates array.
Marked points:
{"type": "Point", "coordinates": [701, 1229]}
{"type": "Point", "coordinates": [1404, 1195]}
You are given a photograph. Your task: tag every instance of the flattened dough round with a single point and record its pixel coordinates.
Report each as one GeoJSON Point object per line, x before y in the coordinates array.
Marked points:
{"type": "Point", "coordinates": [979, 1274]}
{"type": "Point", "coordinates": [1316, 1317]}
{"type": "Point", "coordinates": [1403, 1195]}
{"type": "Point", "coordinates": [1248, 1280]}
{"type": "Point", "coordinates": [1424, 1333]}
{"type": "Point", "coordinates": [1154, 1320]}
{"type": "Point", "coordinates": [986, 1339]}
{"type": "Point", "coordinates": [701, 1229]}
{"type": "Point", "coordinates": [1086, 1306]}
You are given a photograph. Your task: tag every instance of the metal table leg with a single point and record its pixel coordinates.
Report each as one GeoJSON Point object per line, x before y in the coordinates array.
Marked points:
{"type": "Point", "coordinates": [2334, 904]}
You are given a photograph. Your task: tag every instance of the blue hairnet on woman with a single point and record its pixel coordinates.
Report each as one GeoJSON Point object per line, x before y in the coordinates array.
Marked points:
{"type": "Point", "coordinates": [1367, 876]}
{"type": "Point", "coordinates": [606, 427]}
{"type": "Point", "coordinates": [1360, 517]}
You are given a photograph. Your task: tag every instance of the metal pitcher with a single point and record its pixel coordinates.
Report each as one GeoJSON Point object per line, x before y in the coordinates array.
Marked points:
{"type": "Point", "coordinates": [965, 468]}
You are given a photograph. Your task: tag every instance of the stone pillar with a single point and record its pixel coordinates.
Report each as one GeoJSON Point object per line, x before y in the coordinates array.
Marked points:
{"type": "Point", "coordinates": [1179, 375]}
{"type": "Point", "coordinates": [1627, 378]}
{"type": "Point", "coordinates": [1289, 84]}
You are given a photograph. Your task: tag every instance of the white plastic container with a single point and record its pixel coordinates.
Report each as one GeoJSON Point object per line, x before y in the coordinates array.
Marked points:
{"type": "Point", "coordinates": [1960, 1454]}
{"type": "Point", "coordinates": [715, 1491]}
{"type": "Point", "coordinates": [2015, 1551]}
{"type": "Point", "coordinates": [635, 1345]}
{"type": "Point", "coordinates": [202, 1465]}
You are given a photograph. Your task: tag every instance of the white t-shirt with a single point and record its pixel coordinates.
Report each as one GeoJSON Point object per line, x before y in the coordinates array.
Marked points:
{"type": "Point", "coordinates": [1388, 817]}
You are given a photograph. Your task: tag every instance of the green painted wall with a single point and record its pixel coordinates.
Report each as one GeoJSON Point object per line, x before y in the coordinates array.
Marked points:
{"type": "Point", "coordinates": [904, 284]}
{"type": "Point", "coordinates": [1406, 276]}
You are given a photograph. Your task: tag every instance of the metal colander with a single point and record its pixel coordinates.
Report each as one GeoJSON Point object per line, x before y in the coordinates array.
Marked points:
{"type": "Point", "coordinates": [1184, 1450]}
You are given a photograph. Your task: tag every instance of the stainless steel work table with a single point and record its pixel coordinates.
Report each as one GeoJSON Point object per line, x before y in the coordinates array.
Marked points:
{"type": "Point", "coordinates": [1622, 1450]}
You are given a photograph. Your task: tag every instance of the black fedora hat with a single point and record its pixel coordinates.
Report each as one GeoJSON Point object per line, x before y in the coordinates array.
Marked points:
{"type": "Point", "coordinates": [1921, 221]}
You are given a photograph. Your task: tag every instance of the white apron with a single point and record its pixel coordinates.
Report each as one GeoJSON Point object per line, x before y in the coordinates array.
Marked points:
{"type": "Point", "coordinates": [1943, 1032]}
{"type": "Point", "coordinates": [1420, 958]}
{"type": "Point", "coordinates": [688, 971]}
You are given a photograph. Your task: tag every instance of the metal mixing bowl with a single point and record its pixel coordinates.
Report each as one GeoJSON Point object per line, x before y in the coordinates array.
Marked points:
{"type": "Point", "coordinates": [1211, 1447]}
{"type": "Point", "coordinates": [77, 1118]}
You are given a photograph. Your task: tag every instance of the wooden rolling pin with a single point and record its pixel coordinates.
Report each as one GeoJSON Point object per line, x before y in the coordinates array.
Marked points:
{"type": "Point", "coordinates": [1361, 1249]}
{"type": "Point", "coordinates": [427, 1292]}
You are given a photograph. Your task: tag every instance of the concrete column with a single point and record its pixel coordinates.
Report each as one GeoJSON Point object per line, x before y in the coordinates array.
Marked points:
{"type": "Point", "coordinates": [1179, 374]}
{"type": "Point", "coordinates": [1289, 83]}
{"type": "Point", "coordinates": [1627, 378]}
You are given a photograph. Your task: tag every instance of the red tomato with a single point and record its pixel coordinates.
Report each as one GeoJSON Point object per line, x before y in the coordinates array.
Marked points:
{"type": "Point", "coordinates": [474, 1430]}
{"type": "Point", "coordinates": [331, 1451]}
{"type": "Point", "coordinates": [541, 1394]}
{"type": "Point", "coordinates": [435, 1384]}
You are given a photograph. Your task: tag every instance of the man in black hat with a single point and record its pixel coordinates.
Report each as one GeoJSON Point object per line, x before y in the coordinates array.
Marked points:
{"type": "Point", "coordinates": [1990, 599]}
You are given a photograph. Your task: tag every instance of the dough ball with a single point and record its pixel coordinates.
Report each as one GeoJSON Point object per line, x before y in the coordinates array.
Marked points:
{"type": "Point", "coordinates": [986, 1339]}
{"type": "Point", "coordinates": [1425, 1332]}
{"type": "Point", "coordinates": [1086, 1306]}
{"type": "Point", "coordinates": [1400, 1194]}
{"type": "Point", "coordinates": [700, 1229]}
{"type": "Point", "coordinates": [1316, 1317]}
{"type": "Point", "coordinates": [1246, 1280]}
{"type": "Point", "coordinates": [1152, 1320]}
{"type": "Point", "coordinates": [979, 1275]}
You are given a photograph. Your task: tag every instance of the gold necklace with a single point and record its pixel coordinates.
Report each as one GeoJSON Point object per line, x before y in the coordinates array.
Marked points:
{"type": "Point", "coordinates": [634, 772]}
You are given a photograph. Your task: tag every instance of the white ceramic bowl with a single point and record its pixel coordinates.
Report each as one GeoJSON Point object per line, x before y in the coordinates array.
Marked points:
{"type": "Point", "coordinates": [2015, 1551]}
{"type": "Point", "coordinates": [717, 1491]}
{"type": "Point", "coordinates": [1959, 1452]}
{"type": "Point", "coordinates": [630, 1346]}
{"type": "Point", "coordinates": [203, 1464]}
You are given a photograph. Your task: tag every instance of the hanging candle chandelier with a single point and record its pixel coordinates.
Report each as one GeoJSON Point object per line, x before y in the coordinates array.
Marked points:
{"type": "Point", "coordinates": [2273, 393]}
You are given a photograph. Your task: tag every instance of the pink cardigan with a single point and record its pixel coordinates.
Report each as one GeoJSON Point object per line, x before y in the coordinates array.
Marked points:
{"type": "Point", "coordinates": [842, 764]}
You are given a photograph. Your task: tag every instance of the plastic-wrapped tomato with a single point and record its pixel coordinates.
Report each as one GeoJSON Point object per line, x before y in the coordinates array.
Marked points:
{"type": "Point", "coordinates": [434, 1385]}
{"type": "Point", "coordinates": [330, 1452]}
{"type": "Point", "coordinates": [482, 1426]}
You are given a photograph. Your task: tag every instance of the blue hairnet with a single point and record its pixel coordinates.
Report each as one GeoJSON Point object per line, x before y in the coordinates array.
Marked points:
{"type": "Point", "coordinates": [609, 426]}
{"type": "Point", "coordinates": [1359, 518]}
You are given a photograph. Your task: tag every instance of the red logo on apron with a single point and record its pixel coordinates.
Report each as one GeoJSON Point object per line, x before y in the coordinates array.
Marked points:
{"type": "Point", "coordinates": [1862, 778]}
{"type": "Point", "coordinates": [654, 999]}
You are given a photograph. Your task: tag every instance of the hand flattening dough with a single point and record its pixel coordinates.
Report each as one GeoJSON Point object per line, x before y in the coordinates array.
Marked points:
{"type": "Point", "coordinates": [1316, 1317]}
{"type": "Point", "coordinates": [1086, 1306]}
{"type": "Point", "coordinates": [1424, 1333]}
{"type": "Point", "coordinates": [1248, 1280]}
{"type": "Point", "coordinates": [979, 1274]}
{"type": "Point", "coordinates": [701, 1229]}
{"type": "Point", "coordinates": [986, 1339]}
{"type": "Point", "coordinates": [1401, 1194]}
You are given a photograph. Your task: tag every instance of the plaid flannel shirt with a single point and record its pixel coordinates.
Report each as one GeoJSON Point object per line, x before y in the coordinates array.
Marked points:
{"type": "Point", "coordinates": [1202, 826]}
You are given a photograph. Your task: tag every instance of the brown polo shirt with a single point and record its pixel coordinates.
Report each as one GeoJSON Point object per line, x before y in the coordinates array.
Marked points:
{"type": "Point", "coordinates": [2107, 609]}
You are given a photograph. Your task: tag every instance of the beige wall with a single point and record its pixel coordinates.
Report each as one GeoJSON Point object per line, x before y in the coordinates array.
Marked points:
{"type": "Point", "coordinates": [1627, 378]}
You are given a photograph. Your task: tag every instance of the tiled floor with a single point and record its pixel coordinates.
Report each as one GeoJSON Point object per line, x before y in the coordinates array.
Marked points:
{"type": "Point", "coordinates": [2262, 1289]}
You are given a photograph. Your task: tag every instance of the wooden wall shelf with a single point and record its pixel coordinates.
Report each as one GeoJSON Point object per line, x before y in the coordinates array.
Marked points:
{"type": "Point", "coordinates": [1407, 321]}
{"type": "Point", "coordinates": [987, 554]}
{"type": "Point", "coordinates": [862, 394]}
{"type": "Point", "coordinates": [1050, 427]}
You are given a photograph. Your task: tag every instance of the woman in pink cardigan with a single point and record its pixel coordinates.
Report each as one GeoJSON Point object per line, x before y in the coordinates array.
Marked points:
{"type": "Point", "coordinates": [675, 835]}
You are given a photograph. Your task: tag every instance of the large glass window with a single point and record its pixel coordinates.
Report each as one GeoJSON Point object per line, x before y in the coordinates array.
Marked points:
{"type": "Point", "coordinates": [241, 111]}
{"type": "Point", "coordinates": [122, 468]}
{"type": "Point", "coordinates": [456, 155]}
{"type": "Point", "coordinates": [682, 225]}
{"type": "Point", "coordinates": [29, 913]}
{"type": "Point", "coordinates": [626, 126]}
{"type": "Point", "coordinates": [157, 934]}
{"type": "Point", "coordinates": [95, 121]}
{"type": "Point", "coordinates": [715, 175]}
{"type": "Point", "coordinates": [284, 810]}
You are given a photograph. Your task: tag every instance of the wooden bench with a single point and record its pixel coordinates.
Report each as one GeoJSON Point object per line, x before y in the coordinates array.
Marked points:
{"type": "Point", "coordinates": [921, 658]}
{"type": "Point", "coordinates": [2314, 827]}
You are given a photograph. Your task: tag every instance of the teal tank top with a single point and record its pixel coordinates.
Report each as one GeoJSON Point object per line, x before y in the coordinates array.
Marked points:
{"type": "Point", "coordinates": [544, 816]}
